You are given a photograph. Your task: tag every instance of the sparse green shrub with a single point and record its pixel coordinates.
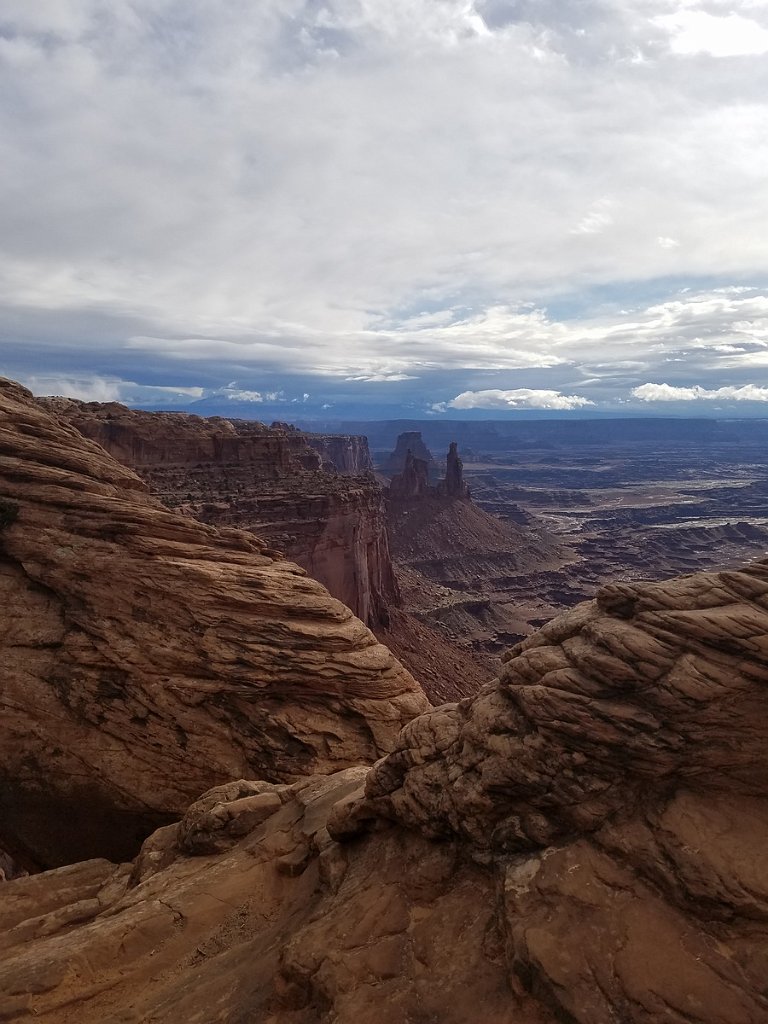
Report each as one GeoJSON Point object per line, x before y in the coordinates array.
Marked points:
{"type": "Point", "coordinates": [9, 510]}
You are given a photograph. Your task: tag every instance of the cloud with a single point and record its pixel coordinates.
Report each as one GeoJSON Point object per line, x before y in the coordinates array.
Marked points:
{"type": "Point", "coordinates": [599, 217]}
{"type": "Point", "coordinates": [101, 389]}
{"type": "Point", "coordinates": [696, 31]}
{"type": "Point", "coordinates": [695, 393]}
{"type": "Point", "coordinates": [518, 398]}
{"type": "Point", "coordinates": [192, 192]}
{"type": "Point", "coordinates": [374, 377]}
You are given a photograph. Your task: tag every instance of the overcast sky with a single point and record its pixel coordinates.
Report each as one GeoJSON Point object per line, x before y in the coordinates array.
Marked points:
{"type": "Point", "coordinates": [419, 206]}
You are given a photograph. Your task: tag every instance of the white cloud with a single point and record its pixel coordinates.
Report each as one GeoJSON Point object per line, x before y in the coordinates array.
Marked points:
{"type": "Point", "coordinates": [695, 393]}
{"type": "Point", "coordinates": [381, 377]}
{"type": "Point", "coordinates": [697, 31]}
{"type": "Point", "coordinates": [101, 389]}
{"type": "Point", "coordinates": [379, 191]}
{"type": "Point", "coordinates": [235, 394]}
{"type": "Point", "coordinates": [518, 398]}
{"type": "Point", "coordinates": [597, 219]}
{"type": "Point", "coordinates": [245, 396]}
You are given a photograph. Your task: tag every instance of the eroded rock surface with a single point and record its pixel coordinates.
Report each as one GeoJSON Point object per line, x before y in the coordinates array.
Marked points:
{"type": "Point", "coordinates": [615, 778]}
{"type": "Point", "coordinates": [583, 841]}
{"type": "Point", "coordinates": [147, 656]}
{"type": "Point", "coordinates": [280, 924]}
{"type": "Point", "coordinates": [311, 497]}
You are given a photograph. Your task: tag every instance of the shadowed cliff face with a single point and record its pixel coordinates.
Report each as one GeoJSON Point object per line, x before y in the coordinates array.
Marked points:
{"type": "Point", "coordinates": [147, 656]}
{"type": "Point", "coordinates": [583, 841]}
{"type": "Point", "coordinates": [346, 454]}
{"type": "Point", "coordinates": [270, 480]}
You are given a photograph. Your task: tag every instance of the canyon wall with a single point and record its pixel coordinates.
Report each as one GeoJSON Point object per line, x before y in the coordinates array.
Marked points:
{"type": "Point", "coordinates": [347, 454]}
{"type": "Point", "coordinates": [583, 841]}
{"type": "Point", "coordinates": [269, 480]}
{"type": "Point", "coordinates": [147, 656]}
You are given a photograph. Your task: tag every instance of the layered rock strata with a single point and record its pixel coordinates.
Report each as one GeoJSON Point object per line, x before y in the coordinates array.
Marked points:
{"type": "Point", "coordinates": [269, 480]}
{"type": "Point", "coordinates": [147, 656]}
{"type": "Point", "coordinates": [614, 778]}
{"type": "Point", "coordinates": [346, 453]}
{"type": "Point", "coordinates": [583, 841]}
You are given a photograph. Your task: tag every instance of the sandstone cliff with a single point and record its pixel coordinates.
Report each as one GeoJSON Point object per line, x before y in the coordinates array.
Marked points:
{"type": "Point", "coordinates": [583, 841]}
{"type": "Point", "coordinates": [346, 453]}
{"type": "Point", "coordinates": [269, 480]}
{"type": "Point", "coordinates": [147, 656]}
{"type": "Point", "coordinates": [410, 441]}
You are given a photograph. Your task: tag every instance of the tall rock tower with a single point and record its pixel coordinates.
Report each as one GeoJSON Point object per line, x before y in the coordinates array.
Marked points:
{"type": "Point", "coordinates": [453, 486]}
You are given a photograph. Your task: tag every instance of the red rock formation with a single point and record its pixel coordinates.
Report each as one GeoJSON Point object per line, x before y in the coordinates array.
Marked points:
{"type": "Point", "coordinates": [453, 485]}
{"type": "Point", "coordinates": [615, 777]}
{"type": "Point", "coordinates": [347, 454]}
{"type": "Point", "coordinates": [410, 441]}
{"type": "Point", "coordinates": [413, 483]}
{"type": "Point", "coordinates": [269, 480]}
{"type": "Point", "coordinates": [599, 821]}
{"type": "Point", "coordinates": [146, 656]}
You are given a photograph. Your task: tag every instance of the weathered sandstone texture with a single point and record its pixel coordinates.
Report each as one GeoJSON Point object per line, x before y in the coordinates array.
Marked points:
{"type": "Point", "coordinates": [146, 656]}
{"type": "Point", "coordinates": [583, 841]}
{"type": "Point", "coordinates": [313, 498]}
{"type": "Point", "coordinates": [248, 912]}
{"type": "Point", "coordinates": [615, 778]}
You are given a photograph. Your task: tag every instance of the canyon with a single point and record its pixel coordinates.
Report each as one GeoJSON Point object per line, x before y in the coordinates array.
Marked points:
{"type": "Point", "coordinates": [313, 498]}
{"type": "Point", "coordinates": [568, 508]}
{"type": "Point", "coordinates": [249, 811]}
{"type": "Point", "coordinates": [149, 656]}
{"type": "Point", "coordinates": [583, 840]}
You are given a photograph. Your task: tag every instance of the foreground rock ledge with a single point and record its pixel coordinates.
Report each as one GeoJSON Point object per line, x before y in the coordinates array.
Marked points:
{"type": "Point", "coordinates": [147, 657]}
{"type": "Point", "coordinates": [583, 841]}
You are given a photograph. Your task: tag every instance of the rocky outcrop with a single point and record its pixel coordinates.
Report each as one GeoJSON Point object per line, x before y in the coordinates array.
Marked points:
{"type": "Point", "coordinates": [269, 480]}
{"type": "Point", "coordinates": [413, 483]}
{"type": "Point", "coordinates": [583, 841]}
{"type": "Point", "coordinates": [614, 776]}
{"type": "Point", "coordinates": [410, 441]}
{"type": "Point", "coordinates": [147, 656]}
{"type": "Point", "coordinates": [453, 485]}
{"type": "Point", "coordinates": [247, 911]}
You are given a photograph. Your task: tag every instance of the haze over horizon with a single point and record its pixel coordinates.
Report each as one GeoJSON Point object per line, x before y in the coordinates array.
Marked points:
{"type": "Point", "coordinates": [351, 208]}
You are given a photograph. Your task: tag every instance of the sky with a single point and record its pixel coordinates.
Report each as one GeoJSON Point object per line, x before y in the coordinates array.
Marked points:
{"type": "Point", "coordinates": [416, 208]}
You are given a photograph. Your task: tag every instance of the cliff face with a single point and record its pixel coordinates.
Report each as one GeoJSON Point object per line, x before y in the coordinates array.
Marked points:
{"type": "Point", "coordinates": [453, 485]}
{"type": "Point", "coordinates": [269, 480]}
{"type": "Point", "coordinates": [147, 656]}
{"type": "Point", "coordinates": [583, 841]}
{"type": "Point", "coordinates": [348, 454]}
{"type": "Point", "coordinates": [412, 484]}
{"type": "Point", "coordinates": [410, 441]}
